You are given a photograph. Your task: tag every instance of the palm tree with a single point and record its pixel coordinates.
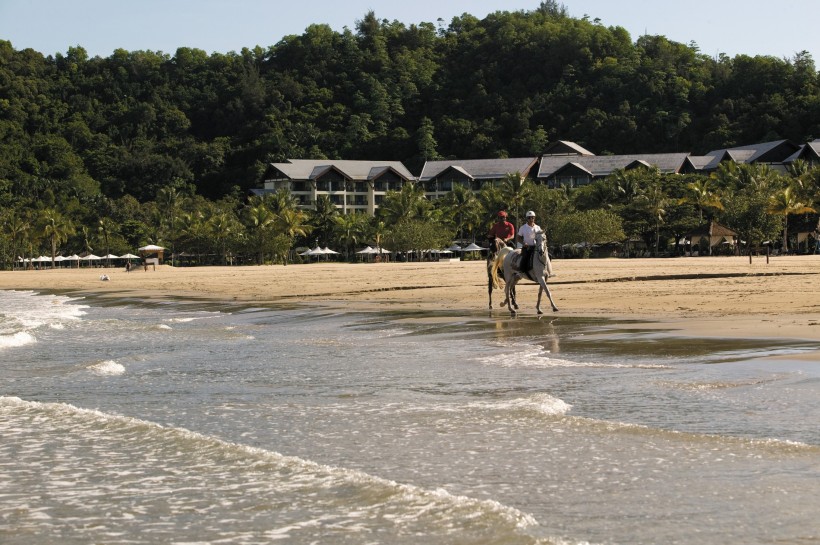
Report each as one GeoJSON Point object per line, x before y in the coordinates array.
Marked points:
{"type": "Point", "coordinates": [463, 206]}
{"type": "Point", "coordinates": [57, 228]}
{"type": "Point", "coordinates": [627, 185]}
{"type": "Point", "coordinates": [654, 201]}
{"type": "Point", "coordinates": [351, 228]}
{"type": "Point", "coordinates": [220, 227]}
{"type": "Point", "coordinates": [107, 227]}
{"type": "Point", "coordinates": [403, 204]}
{"type": "Point", "coordinates": [700, 194]}
{"type": "Point", "coordinates": [292, 223]}
{"type": "Point", "coordinates": [17, 229]}
{"type": "Point", "coordinates": [169, 199]}
{"type": "Point", "coordinates": [323, 218]}
{"type": "Point", "coordinates": [783, 203]}
{"type": "Point", "coordinates": [515, 191]}
{"type": "Point", "coordinates": [261, 221]}
{"type": "Point", "coordinates": [377, 230]}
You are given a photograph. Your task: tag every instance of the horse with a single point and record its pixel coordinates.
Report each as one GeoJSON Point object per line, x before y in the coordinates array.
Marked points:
{"type": "Point", "coordinates": [541, 270]}
{"type": "Point", "coordinates": [495, 259]}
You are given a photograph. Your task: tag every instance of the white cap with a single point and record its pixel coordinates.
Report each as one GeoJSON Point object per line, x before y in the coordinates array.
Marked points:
{"type": "Point", "coordinates": [530, 214]}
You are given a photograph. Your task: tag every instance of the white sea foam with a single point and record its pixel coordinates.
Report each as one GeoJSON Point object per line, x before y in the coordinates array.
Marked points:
{"type": "Point", "coordinates": [107, 368]}
{"type": "Point", "coordinates": [540, 403]}
{"type": "Point", "coordinates": [31, 310]}
{"type": "Point", "coordinates": [380, 498]}
{"type": "Point", "coordinates": [531, 356]}
{"type": "Point", "coordinates": [20, 338]}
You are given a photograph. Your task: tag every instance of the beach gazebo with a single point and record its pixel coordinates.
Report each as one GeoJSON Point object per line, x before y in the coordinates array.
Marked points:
{"type": "Point", "coordinates": [152, 251]}
{"type": "Point", "coordinates": [714, 234]}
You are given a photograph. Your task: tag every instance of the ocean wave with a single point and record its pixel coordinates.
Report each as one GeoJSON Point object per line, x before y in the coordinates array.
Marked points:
{"type": "Point", "coordinates": [32, 310]}
{"type": "Point", "coordinates": [528, 356]}
{"type": "Point", "coordinates": [197, 469]}
{"type": "Point", "coordinates": [542, 403]}
{"type": "Point", "coordinates": [107, 368]}
{"type": "Point", "coordinates": [21, 338]}
{"type": "Point", "coordinates": [691, 438]}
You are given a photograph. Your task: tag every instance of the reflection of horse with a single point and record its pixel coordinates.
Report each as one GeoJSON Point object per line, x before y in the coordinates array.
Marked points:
{"type": "Point", "coordinates": [541, 269]}
{"type": "Point", "coordinates": [495, 259]}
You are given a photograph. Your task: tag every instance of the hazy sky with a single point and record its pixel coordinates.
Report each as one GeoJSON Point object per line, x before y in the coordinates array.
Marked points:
{"type": "Point", "coordinates": [753, 27]}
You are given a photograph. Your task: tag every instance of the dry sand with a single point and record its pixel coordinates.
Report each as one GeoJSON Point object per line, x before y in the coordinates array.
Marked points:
{"type": "Point", "coordinates": [715, 296]}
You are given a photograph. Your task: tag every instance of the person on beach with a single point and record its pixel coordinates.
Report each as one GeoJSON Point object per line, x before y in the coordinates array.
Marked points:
{"type": "Point", "coordinates": [526, 236]}
{"type": "Point", "coordinates": [502, 229]}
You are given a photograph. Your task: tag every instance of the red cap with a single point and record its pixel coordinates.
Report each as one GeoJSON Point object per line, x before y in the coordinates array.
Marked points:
{"type": "Point", "coordinates": [502, 214]}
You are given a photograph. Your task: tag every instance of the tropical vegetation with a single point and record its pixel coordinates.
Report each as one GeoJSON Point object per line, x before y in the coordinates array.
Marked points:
{"type": "Point", "coordinates": [108, 154]}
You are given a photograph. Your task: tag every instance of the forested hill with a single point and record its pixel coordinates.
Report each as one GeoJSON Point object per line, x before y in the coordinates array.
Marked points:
{"type": "Point", "coordinates": [506, 85]}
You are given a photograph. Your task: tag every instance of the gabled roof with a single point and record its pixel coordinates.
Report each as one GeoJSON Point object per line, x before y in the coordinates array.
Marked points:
{"type": "Point", "coordinates": [776, 151]}
{"type": "Point", "coordinates": [604, 165]}
{"type": "Point", "coordinates": [310, 169]}
{"type": "Point", "coordinates": [572, 167]}
{"type": "Point", "coordinates": [455, 168]}
{"type": "Point", "coordinates": [564, 147]}
{"type": "Point", "coordinates": [809, 151]}
{"type": "Point", "coordinates": [699, 162]}
{"type": "Point", "coordinates": [480, 169]}
{"type": "Point", "coordinates": [712, 229]}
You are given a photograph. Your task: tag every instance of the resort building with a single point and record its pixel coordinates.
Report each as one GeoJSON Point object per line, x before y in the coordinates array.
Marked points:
{"type": "Point", "coordinates": [440, 177]}
{"type": "Point", "coordinates": [360, 186]}
{"type": "Point", "coordinates": [352, 186]}
{"type": "Point", "coordinates": [561, 168]}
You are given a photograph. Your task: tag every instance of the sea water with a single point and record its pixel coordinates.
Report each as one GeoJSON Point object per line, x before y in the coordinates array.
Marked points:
{"type": "Point", "coordinates": [173, 422]}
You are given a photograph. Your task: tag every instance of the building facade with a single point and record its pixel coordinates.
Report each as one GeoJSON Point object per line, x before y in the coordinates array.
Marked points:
{"type": "Point", "coordinates": [352, 186]}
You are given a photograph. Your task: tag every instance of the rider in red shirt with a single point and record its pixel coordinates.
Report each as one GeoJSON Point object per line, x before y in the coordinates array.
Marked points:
{"type": "Point", "coordinates": [502, 229]}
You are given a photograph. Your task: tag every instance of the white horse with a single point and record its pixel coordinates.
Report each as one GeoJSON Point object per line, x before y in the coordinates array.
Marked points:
{"type": "Point", "coordinates": [541, 270]}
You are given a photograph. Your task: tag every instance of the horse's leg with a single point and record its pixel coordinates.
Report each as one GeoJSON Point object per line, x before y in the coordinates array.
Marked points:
{"type": "Point", "coordinates": [509, 290]}
{"type": "Point", "coordinates": [544, 288]}
{"type": "Point", "coordinates": [490, 289]}
{"type": "Point", "coordinates": [514, 301]}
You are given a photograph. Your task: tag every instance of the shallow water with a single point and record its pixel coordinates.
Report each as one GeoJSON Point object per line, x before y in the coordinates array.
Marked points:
{"type": "Point", "coordinates": [126, 422]}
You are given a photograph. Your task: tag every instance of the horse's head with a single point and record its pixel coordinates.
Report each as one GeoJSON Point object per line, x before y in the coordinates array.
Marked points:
{"type": "Point", "coordinates": [541, 244]}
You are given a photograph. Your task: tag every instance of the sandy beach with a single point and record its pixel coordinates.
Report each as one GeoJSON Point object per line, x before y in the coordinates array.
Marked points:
{"type": "Point", "coordinates": [715, 296]}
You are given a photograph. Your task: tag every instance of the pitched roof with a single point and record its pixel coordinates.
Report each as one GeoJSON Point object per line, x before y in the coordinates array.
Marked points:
{"type": "Point", "coordinates": [309, 169]}
{"type": "Point", "coordinates": [564, 147]}
{"type": "Point", "coordinates": [699, 162]}
{"type": "Point", "coordinates": [775, 151]}
{"type": "Point", "coordinates": [810, 150]}
{"type": "Point", "coordinates": [479, 169]}
{"type": "Point", "coordinates": [603, 165]}
{"type": "Point", "coordinates": [712, 229]}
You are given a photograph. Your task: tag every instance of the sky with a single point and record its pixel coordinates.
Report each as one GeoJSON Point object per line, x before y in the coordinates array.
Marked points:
{"type": "Point", "coordinates": [732, 27]}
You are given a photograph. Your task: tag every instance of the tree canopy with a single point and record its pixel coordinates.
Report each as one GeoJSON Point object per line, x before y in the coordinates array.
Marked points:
{"type": "Point", "coordinates": [93, 138]}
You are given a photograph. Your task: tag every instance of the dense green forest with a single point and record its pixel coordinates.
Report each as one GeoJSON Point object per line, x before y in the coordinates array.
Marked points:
{"type": "Point", "coordinates": [142, 146]}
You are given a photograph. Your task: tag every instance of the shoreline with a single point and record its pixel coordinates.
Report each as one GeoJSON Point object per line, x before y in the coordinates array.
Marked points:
{"type": "Point", "coordinates": [698, 296]}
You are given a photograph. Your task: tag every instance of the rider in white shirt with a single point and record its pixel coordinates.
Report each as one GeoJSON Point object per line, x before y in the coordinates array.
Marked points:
{"type": "Point", "coordinates": [526, 236]}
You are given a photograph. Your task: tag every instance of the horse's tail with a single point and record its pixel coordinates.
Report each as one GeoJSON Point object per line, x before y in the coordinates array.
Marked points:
{"type": "Point", "coordinates": [497, 263]}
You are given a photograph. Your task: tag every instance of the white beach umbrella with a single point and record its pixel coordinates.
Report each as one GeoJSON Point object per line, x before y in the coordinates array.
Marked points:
{"type": "Point", "coordinates": [473, 247]}
{"type": "Point", "coordinates": [455, 248]}
{"type": "Point", "coordinates": [367, 250]}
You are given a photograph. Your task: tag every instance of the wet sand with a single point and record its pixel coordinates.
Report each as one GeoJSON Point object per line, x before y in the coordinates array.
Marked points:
{"type": "Point", "coordinates": [710, 296]}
